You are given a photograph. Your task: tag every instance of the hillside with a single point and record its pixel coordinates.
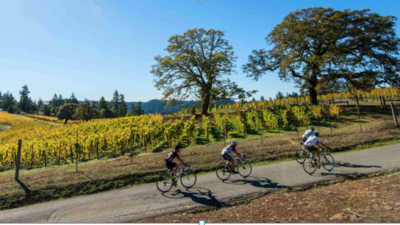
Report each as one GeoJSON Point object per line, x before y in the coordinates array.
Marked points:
{"type": "Point", "coordinates": [157, 106]}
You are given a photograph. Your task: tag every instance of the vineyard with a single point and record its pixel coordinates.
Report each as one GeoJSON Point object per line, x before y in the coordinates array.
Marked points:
{"type": "Point", "coordinates": [44, 144]}
{"type": "Point", "coordinates": [363, 96]}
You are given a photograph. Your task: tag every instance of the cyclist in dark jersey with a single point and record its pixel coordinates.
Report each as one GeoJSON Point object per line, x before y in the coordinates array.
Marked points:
{"type": "Point", "coordinates": [170, 164]}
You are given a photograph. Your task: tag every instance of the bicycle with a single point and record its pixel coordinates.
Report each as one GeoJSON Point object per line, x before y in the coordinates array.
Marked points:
{"type": "Point", "coordinates": [310, 163]}
{"type": "Point", "coordinates": [302, 154]}
{"type": "Point", "coordinates": [224, 170]}
{"type": "Point", "coordinates": [188, 179]}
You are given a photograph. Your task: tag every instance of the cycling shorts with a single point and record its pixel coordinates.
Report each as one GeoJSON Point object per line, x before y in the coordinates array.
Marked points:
{"type": "Point", "coordinates": [170, 165]}
{"type": "Point", "coordinates": [227, 156]}
{"type": "Point", "coordinates": [311, 148]}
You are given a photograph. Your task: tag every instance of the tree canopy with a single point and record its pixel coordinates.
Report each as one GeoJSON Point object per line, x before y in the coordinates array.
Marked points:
{"type": "Point", "coordinates": [196, 67]}
{"type": "Point", "coordinates": [24, 102]}
{"type": "Point", "coordinates": [320, 46]}
{"type": "Point", "coordinates": [86, 111]}
{"type": "Point", "coordinates": [66, 112]}
{"type": "Point", "coordinates": [122, 109]}
{"type": "Point", "coordinates": [73, 99]}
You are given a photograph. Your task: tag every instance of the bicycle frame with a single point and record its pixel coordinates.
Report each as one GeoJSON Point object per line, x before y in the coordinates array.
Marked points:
{"type": "Point", "coordinates": [238, 159]}
{"type": "Point", "coordinates": [313, 155]}
{"type": "Point", "coordinates": [179, 173]}
{"type": "Point", "coordinates": [235, 159]}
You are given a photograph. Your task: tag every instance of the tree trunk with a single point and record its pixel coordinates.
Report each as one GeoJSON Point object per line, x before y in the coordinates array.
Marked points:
{"type": "Point", "coordinates": [66, 120]}
{"type": "Point", "coordinates": [312, 84]}
{"type": "Point", "coordinates": [357, 103]}
{"type": "Point", "coordinates": [206, 104]}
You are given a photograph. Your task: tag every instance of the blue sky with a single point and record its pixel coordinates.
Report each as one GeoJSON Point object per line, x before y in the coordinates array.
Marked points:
{"type": "Point", "coordinates": [94, 47]}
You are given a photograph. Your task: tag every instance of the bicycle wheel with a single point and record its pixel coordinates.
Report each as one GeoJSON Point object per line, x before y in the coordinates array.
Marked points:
{"type": "Point", "coordinates": [243, 168]}
{"type": "Point", "coordinates": [301, 154]}
{"type": "Point", "coordinates": [328, 162]}
{"type": "Point", "coordinates": [309, 166]}
{"type": "Point", "coordinates": [223, 173]}
{"type": "Point", "coordinates": [188, 179]}
{"type": "Point", "coordinates": [164, 183]}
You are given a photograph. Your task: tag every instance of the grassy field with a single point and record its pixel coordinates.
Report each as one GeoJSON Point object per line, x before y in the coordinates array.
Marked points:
{"type": "Point", "coordinates": [345, 202]}
{"type": "Point", "coordinates": [100, 175]}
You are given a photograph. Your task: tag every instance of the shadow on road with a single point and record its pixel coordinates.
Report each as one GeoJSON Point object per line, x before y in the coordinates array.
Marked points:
{"type": "Point", "coordinates": [197, 194]}
{"type": "Point", "coordinates": [350, 175]}
{"type": "Point", "coordinates": [260, 182]}
{"type": "Point", "coordinates": [340, 164]}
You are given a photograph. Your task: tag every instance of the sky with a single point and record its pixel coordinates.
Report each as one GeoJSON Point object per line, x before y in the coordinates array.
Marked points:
{"type": "Point", "coordinates": [94, 47]}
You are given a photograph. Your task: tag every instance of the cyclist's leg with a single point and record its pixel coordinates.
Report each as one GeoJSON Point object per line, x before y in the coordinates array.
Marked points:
{"type": "Point", "coordinates": [227, 157]}
{"type": "Point", "coordinates": [308, 150]}
{"type": "Point", "coordinates": [175, 168]}
{"type": "Point", "coordinates": [232, 164]}
{"type": "Point", "coordinates": [312, 151]}
{"type": "Point", "coordinates": [319, 156]}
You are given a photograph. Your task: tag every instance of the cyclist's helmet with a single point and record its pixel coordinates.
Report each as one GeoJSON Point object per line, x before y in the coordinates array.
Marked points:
{"type": "Point", "coordinates": [177, 147]}
{"type": "Point", "coordinates": [312, 128]}
{"type": "Point", "coordinates": [316, 133]}
{"type": "Point", "coordinates": [234, 142]}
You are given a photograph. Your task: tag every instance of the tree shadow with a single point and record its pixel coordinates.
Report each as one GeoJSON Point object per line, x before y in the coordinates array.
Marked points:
{"type": "Point", "coordinates": [260, 182]}
{"type": "Point", "coordinates": [350, 120]}
{"type": "Point", "coordinates": [200, 140]}
{"type": "Point", "coordinates": [216, 134]}
{"type": "Point", "coordinates": [236, 135]}
{"type": "Point", "coordinates": [340, 164]}
{"type": "Point", "coordinates": [196, 194]}
{"type": "Point", "coordinates": [252, 131]}
{"type": "Point", "coordinates": [26, 189]}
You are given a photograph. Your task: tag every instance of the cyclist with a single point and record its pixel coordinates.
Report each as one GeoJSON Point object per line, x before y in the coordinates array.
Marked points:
{"type": "Point", "coordinates": [171, 165]}
{"type": "Point", "coordinates": [310, 144]}
{"type": "Point", "coordinates": [308, 133]}
{"type": "Point", "coordinates": [225, 154]}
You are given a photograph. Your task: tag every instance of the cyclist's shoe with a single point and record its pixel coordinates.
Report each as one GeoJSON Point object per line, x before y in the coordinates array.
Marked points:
{"type": "Point", "coordinates": [173, 178]}
{"type": "Point", "coordinates": [174, 183]}
{"type": "Point", "coordinates": [234, 171]}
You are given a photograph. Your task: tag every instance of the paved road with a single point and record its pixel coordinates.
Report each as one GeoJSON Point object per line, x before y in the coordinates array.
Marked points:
{"type": "Point", "coordinates": [132, 203]}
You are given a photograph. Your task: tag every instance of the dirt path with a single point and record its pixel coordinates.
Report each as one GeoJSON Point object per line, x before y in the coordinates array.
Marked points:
{"type": "Point", "coordinates": [43, 121]}
{"type": "Point", "coordinates": [4, 127]}
{"type": "Point", "coordinates": [129, 204]}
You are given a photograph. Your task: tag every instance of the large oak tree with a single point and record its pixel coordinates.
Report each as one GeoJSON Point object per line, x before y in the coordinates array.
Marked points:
{"type": "Point", "coordinates": [196, 67]}
{"type": "Point", "coordinates": [321, 46]}
{"type": "Point", "coordinates": [66, 112]}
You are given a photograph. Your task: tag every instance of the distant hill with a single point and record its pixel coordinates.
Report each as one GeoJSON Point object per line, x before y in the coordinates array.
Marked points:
{"type": "Point", "coordinates": [157, 106]}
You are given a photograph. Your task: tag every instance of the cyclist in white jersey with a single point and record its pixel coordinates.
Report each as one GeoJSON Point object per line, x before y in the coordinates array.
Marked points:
{"type": "Point", "coordinates": [225, 154]}
{"type": "Point", "coordinates": [311, 144]}
{"type": "Point", "coordinates": [308, 133]}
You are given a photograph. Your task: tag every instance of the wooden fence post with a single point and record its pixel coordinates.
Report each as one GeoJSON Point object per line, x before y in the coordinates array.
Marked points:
{"type": "Point", "coordinates": [18, 160]}
{"type": "Point", "coordinates": [380, 99]}
{"type": "Point", "coordinates": [394, 115]}
{"type": "Point", "coordinates": [384, 104]}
